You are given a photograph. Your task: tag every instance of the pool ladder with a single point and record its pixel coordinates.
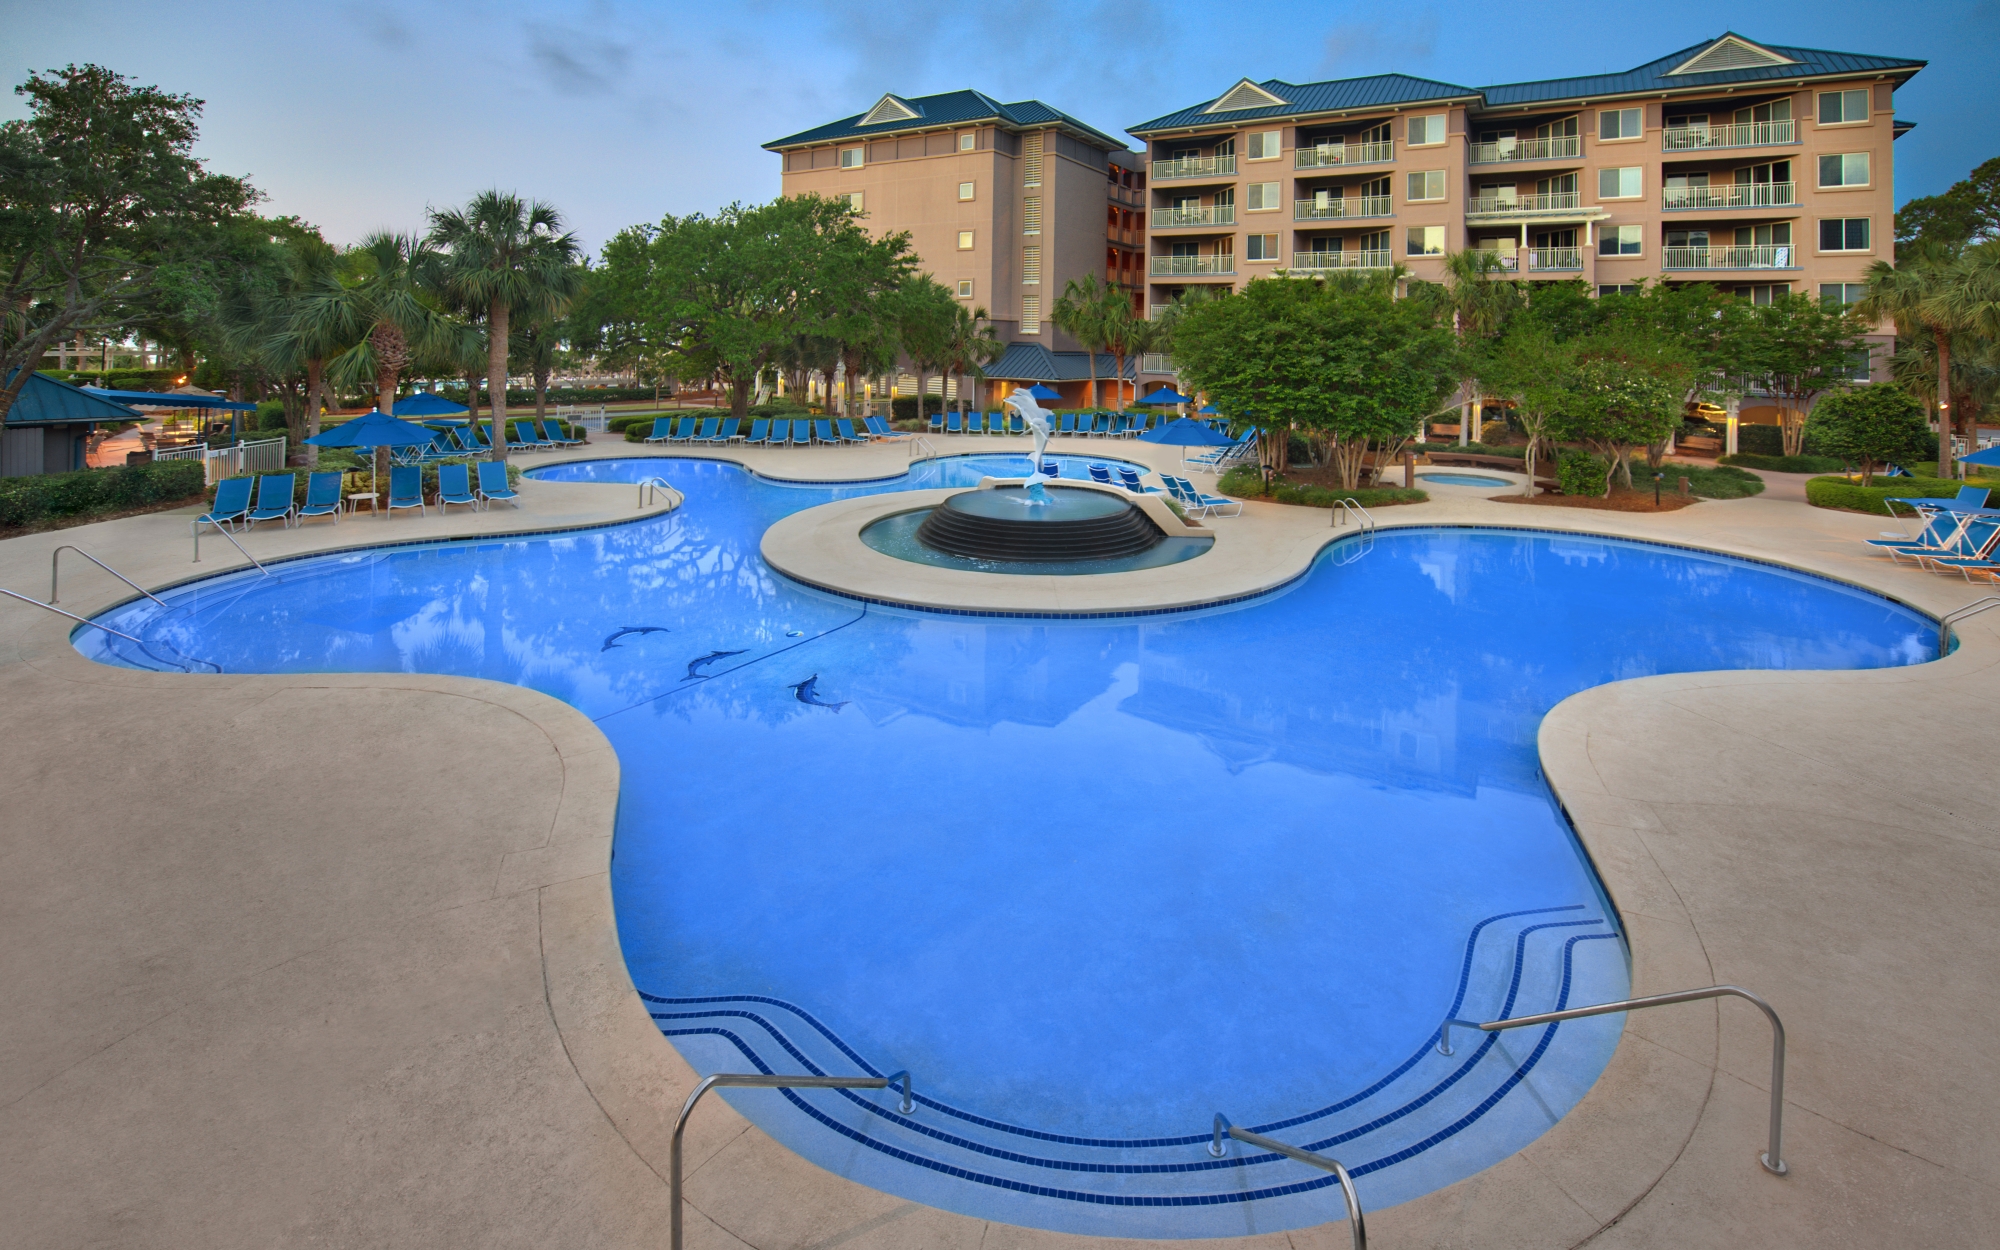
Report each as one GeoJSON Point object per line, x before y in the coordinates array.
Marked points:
{"type": "Point", "coordinates": [648, 486]}
{"type": "Point", "coordinates": [1946, 621]}
{"type": "Point", "coordinates": [1350, 508]}
{"type": "Point", "coordinates": [55, 571]}
{"type": "Point", "coordinates": [1356, 1225]}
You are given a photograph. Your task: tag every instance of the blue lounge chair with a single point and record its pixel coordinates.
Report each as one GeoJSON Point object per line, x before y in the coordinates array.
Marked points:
{"type": "Point", "coordinates": [525, 435]}
{"type": "Point", "coordinates": [552, 432]}
{"type": "Point", "coordinates": [1968, 499]}
{"type": "Point", "coordinates": [847, 434]}
{"type": "Point", "coordinates": [760, 433]}
{"type": "Point", "coordinates": [722, 432]}
{"type": "Point", "coordinates": [493, 484]}
{"type": "Point", "coordinates": [684, 428]}
{"type": "Point", "coordinates": [1100, 474]}
{"type": "Point", "coordinates": [455, 486]}
{"type": "Point", "coordinates": [663, 429]}
{"type": "Point", "coordinates": [706, 432]}
{"type": "Point", "coordinates": [406, 488]}
{"type": "Point", "coordinates": [823, 432]}
{"type": "Point", "coordinates": [781, 433]}
{"type": "Point", "coordinates": [232, 503]}
{"type": "Point", "coordinates": [1017, 425]}
{"type": "Point", "coordinates": [937, 422]}
{"type": "Point", "coordinates": [954, 424]}
{"type": "Point", "coordinates": [1066, 424]}
{"type": "Point", "coordinates": [322, 497]}
{"type": "Point", "coordinates": [274, 499]}
{"type": "Point", "coordinates": [475, 438]}
{"type": "Point", "coordinates": [1976, 542]}
{"type": "Point", "coordinates": [1939, 535]}
{"type": "Point", "coordinates": [877, 427]}
{"type": "Point", "coordinates": [1129, 479]}
{"type": "Point", "coordinates": [1193, 500]}
{"type": "Point", "coordinates": [1101, 427]}
{"type": "Point", "coordinates": [1138, 426]}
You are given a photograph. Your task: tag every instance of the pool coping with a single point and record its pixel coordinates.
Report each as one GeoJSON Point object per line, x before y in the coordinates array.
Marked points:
{"type": "Point", "coordinates": [620, 1057]}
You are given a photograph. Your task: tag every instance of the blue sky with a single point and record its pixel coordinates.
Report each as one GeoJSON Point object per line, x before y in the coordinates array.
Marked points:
{"type": "Point", "coordinates": [357, 114]}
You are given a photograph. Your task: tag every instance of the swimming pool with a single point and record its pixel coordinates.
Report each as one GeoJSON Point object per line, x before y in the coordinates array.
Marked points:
{"type": "Point", "coordinates": [1463, 479]}
{"type": "Point", "coordinates": [1092, 882]}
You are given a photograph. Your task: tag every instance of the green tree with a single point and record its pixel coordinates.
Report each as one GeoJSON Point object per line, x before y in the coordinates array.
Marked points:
{"type": "Point", "coordinates": [1079, 313]}
{"type": "Point", "coordinates": [1618, 394]}
{"type": "Point", "coordinates": [512, 256]}
{"type": "Point", "coordinates": [1477, 303]}
{"type": "Point", "coordinates": [1967, 212]}
{"type": "Point", "coordinates": [102, 207]}
{"type": "Point", "coordinates": [1869, 425]}
{"type": "Point", "coordinates": [926, 316]}
{"type": "Point", "coordinates": [971, 346]}
{"type": "Point", "coordinates": [1942, 293]}
{"type": "Point", "coordinates": [1799, 349]}
{"type": "Point", "coordinates": [1532, 367]}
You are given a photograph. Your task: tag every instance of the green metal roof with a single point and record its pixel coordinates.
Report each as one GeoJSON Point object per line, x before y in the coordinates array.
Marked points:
{"type": "Point", "coordinates": [950, 108]}
{"type": "Point", "coordinates": [46, 401]}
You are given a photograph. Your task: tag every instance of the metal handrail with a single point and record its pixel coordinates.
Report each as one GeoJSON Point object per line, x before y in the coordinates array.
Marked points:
{"type": "Point", "coordinates": [1350, 506]}
{"type": "Point", "coordinates": [760, 1080]}
{"type": "Point", "coordinates": [1357, 1226]}
{"type": "Point", "coordinates": [71, 615]}
{"type": "Point", "coordinates": [1773, 1160]}
{"type": "Point", "coordinates": [647, 485]}
{"type": "Point", "coordinates": [196, 527]}
{"type": "Point", "coordinates": [1958, 614]}
{"type": "Point", "coordinates": [55, 558]}
{"type": "Point", "coordinates": [920, 443]}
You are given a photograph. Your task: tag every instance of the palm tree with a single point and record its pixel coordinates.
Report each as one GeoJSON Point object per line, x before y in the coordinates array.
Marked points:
{"type": "Point", "coordinates": [510, 255]}
{"type": "Point", "coordinates": [1126, 334]}
{"type": "Point", "coordinates": [1478, 304]}
{"type": "Point", "coordinates": [1943, 292]}
{"type": "Point", "coordinates": [972, 347]}
{"type": "Point", "coordinates": [926, 315]}
{"type": "Point", "coordinates": [1080, 314]}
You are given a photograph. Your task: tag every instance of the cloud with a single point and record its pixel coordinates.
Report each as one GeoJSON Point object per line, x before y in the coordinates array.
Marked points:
{"type": "Point", "coordinates": [575, 63]}
{"type": "Point", "coordinates": [1378, 42]}
{"type": "Point", "coordinates": [383, 28]}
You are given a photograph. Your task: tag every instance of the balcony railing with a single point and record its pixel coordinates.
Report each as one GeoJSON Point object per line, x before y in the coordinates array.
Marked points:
{"type": "Point", "coordinates": [1731, 195]}
{"type": "Point", "coordinates": [1554, 259]}
{"type": "Point", "coordinates": [1326, 155]}
{"type": "Point", "coordinates": [1168, 266]}
{"type": "Point", "coordinates": [1557, 149]}
{"type": "Point", "coordinates": [1154, 362]}
{"type": "Point", "coordinates": [1320, 261]}
{"type": "Point", "coordinates": [1490, 205]}
{"type": "Point", "coordinates": [1762, 256]}
{"type": "Point", "coordinates": [1194, 167]}
{"type": "Point", "coordinates": [1737, 135]}
{"type": "Point", "coordinates": [1331, 210]}
{"type": "Point", "coordinates": [1178, 218]}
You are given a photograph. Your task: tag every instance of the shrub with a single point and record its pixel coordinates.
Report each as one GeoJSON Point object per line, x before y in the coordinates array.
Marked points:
{"type": "Point", "coordinates": [1760, 440]}
{"type": "Point", "coordinates": [1246, 481]}
{"type": "Point", "coordinates": [32, 500]}
{"type": "Point", "coordinates": [1580, 473]}
{"type": "Point", "coordinates": [1786, 464]}
{"type": "Point", "coordinates": [904, 407]}
{"type": "Point", "coordinates": [1718, 483]}
{"type": "Point", "coordinates": [1870, 426]}
{"type": "Point", "coordinates": [1482, 449]}
{"type": "Point", "coordinates": [270, 415]}
{"type": "Point", "coordinates": [780, 408]}
{"type": "Point", "coordinates": [1838, 492]}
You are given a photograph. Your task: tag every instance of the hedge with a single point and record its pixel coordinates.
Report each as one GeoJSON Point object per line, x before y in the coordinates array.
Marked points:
{"type": "Point", "coordinates": [1517, 452]}
{"type": "Point", "coordinates": [1786, 464]}
{"type": "Point", "coordinates": [1838, 492]}
{"type": "Point", "coordinates": [1247, 482]}
{"type": "Point", "coordinates": [904, 407]}
{"type": "Point", "coordinates": [32, 500]}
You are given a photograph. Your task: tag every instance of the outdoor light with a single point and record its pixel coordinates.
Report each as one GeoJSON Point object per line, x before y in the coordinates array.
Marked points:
{"type": "Point", "coordinates": [1656, 490]}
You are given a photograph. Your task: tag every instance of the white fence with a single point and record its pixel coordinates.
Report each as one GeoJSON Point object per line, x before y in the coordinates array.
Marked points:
{"type": "Point", "coordinates": [588, 418]}
{"type": "Point", "coordinates": [264, 456]}
{"type": "Point", "coordinates": [196, 452]}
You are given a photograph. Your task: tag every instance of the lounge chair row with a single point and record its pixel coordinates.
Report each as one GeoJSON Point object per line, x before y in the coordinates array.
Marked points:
{"type": "Point", "coordinates": [453, 441]}
{"type": "Point", "coordinates": [766, 432]}
{"type": "Point", "coordinates": [1071, 424]}
{"type": "Point", "coordinates": [276, 494]}
{"type": "Point", "coordinates": [1959, 535]}
{"type": "Point", "coordinates": [1178, 489]}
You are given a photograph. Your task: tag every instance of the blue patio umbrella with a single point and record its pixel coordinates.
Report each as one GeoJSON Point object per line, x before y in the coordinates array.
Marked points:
{"type": "Point", "coordinates": [428, 404]}
{"type": "Point", "coordinates": [1165, 395]}
{"type": "Point", "coordinates": [1044, 392]}
{"type": "Point", "coordinates": [373, 428]}
{"type": "Point", "coordinates": [1206, 410]}
{"type": "Point", "coordinates": [1990, 456]}
{"type": "Point", "coordinates": [1184, 433]}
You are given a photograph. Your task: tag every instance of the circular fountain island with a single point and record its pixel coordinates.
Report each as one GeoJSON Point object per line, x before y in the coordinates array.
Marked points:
{"type": "Point", "coordinates": [1033, 529]}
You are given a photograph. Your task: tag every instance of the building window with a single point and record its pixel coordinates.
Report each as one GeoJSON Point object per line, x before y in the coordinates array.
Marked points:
{"type": "Point", "coordinates": [965, 190]}
{"type": "Point", "coordinates": [1843, 234]}
{"type": "Point", "coordinates": [1764, 292]}
{"type": "Point", "coordinates": [1620, 124]}
{"type": "Point", "coordinates": [1426, 241]}
{"type": "Point", "coordinates": [1619, 241]}
{"type": "Point", "coordinates": [1261, 247]}
{"type": "Point", "coordinates": [1031, 266]}
{"type": "Point", "coordinates": [1263, 197]}
{"type": "Point", "coordinates": [1266, 145]}
{"type": "Point", "coordinates": [851, 158]}
{"type": "Point", "coordinates": [1031, 160]}
{"type": "Point", "coordinates": [1426, 184]}
{"type": "Point", "coordinates": [1427, 129]}
{"type": "Point", "coordinates": [853, 199]}
{"type": "Point", "coordinates": [1847, 169]}
{"type": "Point", "coordinates": [1031, 314]}
{"type": "Point", "coordinates": [967, 140]}
{"type": "Point", "coordinates": [965, 240]}
{"type": "Point", "coordinates": [1621, 184]}
{"type": "Point", "coordinates": [1031, 214]}
{"type": "Point", "coordinates": [1618, 288]}
{"type": "Point", "coordinates": [1838, 108]}
{"type": "Point", "coordinates": [1841, 294]}
{"type": "Point", "coordinates": [965, 288]}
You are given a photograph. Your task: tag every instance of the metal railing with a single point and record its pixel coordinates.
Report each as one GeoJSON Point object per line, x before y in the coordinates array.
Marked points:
{"type": "Point", "coordinates": [1736, 135]}
{"type": "Point", "coordinates": [1338, 209]}
{"type": "Point", "coordinates": [754, 1080]}
{"type": "Point", "coordinates": [1731, 195]}
{"type": "Point", "coordinates": [1173, 218]}
{"type": "Point", "coordinates": [1946, 621]}
{"type": "Point", "coordinates": [1553, 202]}
{"type": "Point", "coordinates": [1760, 256]}
{"type": "Point", "coordinates": [1319, 261]}
{"type": "Point", "coordinates": [1328, 155]}
{"type": "Point", "coordinates": [71, 615]}
{"type": "Point", "coordinates": [194, 451]}
{"type": "Point", "coordinates": [1357, 1227]}
{"type": "Point", "coordinates": [1773, 1159]}
{"type": "Point", "coordinates": [1562, 147]}
{"type": "Point", "coordinates": [1154, 362]}
{"type": "Point", "coordinates": [648, 487]}
{"type": "Point", "coordinates": [1194, 167]}
{"type": "Point", "coordinates": [1350, 507]}
{"type": "Point", "coordinates": [55, 562]}
{"type": "Point", "coordinates": [195, 526]}
{"type": "Point", "coordinates": [1170, 265]}
{"type": "Point", "coordinates": [923, 445]}
{"type": "Point", "coordinates": [266, 455]}
{"type": "Point", "coordinates": [1543, 259]}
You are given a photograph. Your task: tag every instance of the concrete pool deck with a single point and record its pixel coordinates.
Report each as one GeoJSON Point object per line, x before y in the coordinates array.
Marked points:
{"type": "Point", "coordinates": [329, 958]}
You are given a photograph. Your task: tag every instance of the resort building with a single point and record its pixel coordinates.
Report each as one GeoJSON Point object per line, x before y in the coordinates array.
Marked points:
{"type": "Point", "coordinates": [1004, 204]}
{"type": "Point", "coordinates": [1760, 168]}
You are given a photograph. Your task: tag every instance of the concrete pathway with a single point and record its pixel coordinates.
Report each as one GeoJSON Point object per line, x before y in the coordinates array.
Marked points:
{"type": "Point", "coordinates": [329, 960]}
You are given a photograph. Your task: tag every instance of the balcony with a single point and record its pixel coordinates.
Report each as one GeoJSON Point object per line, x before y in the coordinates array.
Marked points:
{"type": "Point", "coordinates": [1523, 205]}
{"type": "Point", "coordinates": [1555, 259]}
{"type": "Point", "coordinates": [1739, 135]}
{"type": "Point", "coordinates": [1331, 155]}
{"type": "Point", "coordinates": [1192, 266]}
{"type": "Point", "coordinates": [1342, 209]}
{"type": "Point", "coordinates": [1154, 362]}
{"type": "Point", "coordinates": [1184, 218]}
{"type": "Point", "coordinates": [1761, 256]}
{"type": "Point", "coordinates": [1195, 167]}
{"type": "Point", "coordinates": [1321, 262]}
{"type": "Point", "coordinates": [1731, 195]}
{"type": "Point", "coordinates": [1567, 147]}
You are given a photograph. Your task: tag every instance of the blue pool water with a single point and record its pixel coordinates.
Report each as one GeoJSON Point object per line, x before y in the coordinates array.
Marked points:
{"type": "Point", "coordinates": [1093, 881]}
{"type": "Point", "coordinates": [1462, 479]}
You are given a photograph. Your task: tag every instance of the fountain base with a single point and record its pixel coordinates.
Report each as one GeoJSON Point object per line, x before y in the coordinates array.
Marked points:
{"type": "Point", "coordinates": [1038, 524]}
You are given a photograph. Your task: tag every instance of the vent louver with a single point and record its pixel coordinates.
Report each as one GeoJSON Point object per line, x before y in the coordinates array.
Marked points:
{"type": "Point", "coordinates": [1246, 95]}
{"type": "Point", "coordinates": [889, 109]}
{"type": "Point", "coordinates": [1729, 53]}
